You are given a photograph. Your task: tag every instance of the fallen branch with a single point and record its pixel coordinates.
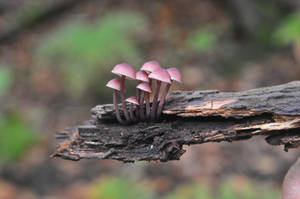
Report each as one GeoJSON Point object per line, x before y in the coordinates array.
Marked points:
{"type": "Point", "coordinates": [189, 117]}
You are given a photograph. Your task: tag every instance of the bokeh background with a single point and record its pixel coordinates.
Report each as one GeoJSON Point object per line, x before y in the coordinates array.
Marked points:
{"type": "Point", "coordinates": [56, 56]}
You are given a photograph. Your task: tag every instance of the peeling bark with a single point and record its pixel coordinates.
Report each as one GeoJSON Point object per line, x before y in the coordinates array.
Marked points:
{"type": "Point", "coordinates": [189, 117]}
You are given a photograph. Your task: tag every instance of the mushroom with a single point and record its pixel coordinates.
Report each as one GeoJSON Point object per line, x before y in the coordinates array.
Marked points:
{"type": "Point", "coordinates": [132, 100]}
{"type": "Point", "coordinates": [149, 67]}
{"type": "Point", "coordinates": [175, 76]}
{"type": "Point", "coordinates": [124, 70]}
{"type": "Point", "coordinates": [291, 182]}
{"type": "Point", "coordinates": [160, 75]}
{"type": "Point", "coordinates": [116, 85]}
{"type": "Point", "coordinates": [145, 88]}
{"type": "Point", "coordinates": [141, 76]}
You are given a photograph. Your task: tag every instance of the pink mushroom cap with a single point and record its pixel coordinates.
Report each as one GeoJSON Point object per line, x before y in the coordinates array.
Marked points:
{"type": "Point", "coordinates": [124, 69]}
{"type": "Point", "coordinates": [161, 75]}
{"type": "Point", "coordinates": [145, 87]}
{"type": "Point", "coordinates": [142, 76]}
{"type": "Point", "coordinates": [175, 74]}
{"type": "Point", "coordinates": [114, 84]}
{"type": "Point", "coordinates": [132, 100]}
{"type": "Point", "coordinates": [150, 66]}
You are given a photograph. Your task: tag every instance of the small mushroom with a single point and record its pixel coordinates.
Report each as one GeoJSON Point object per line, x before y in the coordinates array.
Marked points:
{"type": "Point", "coordinates": [141, 76]}
{"type": "Point", "coordinates": [116, 85]}
{"type": "Point", "coordinates": [175, 76]}
{"type": "Point", "coordinates": [146, 89]}
{"type": "Point", "coordinates": [124, 70]}
{"type": "Point", "coordinates": [132, 100]}
{"type": "Point", "coordinates": [149, 67]}
{"type": "Point", "coordinates": [160, 75]}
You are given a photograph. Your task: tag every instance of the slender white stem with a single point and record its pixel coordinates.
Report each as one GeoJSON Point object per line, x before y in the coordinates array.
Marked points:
{"type": "Point", "coordinates": [162, 100]}
{"type": "Point", "coordinates": [122, 93]}
{"type": "Point", "coordinates": [155, 98]}
{"type": "Point", "coordinates": [137, 110]}
{"type": "Point", "coordinates": [147, 105]}
{"type": "Point", "coordinates": [117, 107]}
{"type": "Point", "coordinates": [142, 114]}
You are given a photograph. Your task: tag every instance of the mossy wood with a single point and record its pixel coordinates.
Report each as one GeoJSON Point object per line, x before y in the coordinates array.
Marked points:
{"type": "Point", "coordinates": [189, 117]}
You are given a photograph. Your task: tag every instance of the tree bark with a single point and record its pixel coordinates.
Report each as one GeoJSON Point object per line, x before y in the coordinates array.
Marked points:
{"type": "Point", "coordinates": [189, 117]}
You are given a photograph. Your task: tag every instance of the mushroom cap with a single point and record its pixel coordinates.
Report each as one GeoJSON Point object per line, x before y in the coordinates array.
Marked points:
{"type": "Point", "coordinates": [132, 100]}
{"type": "Point", "coordinates": [124, 69]}
{"type": "Point", "coordinates": [114, 84]}
{"type": "Point", "coordinates": [161, 75]}
{"type": "Point", "coordinates": [150, 66]}
{"type": "Point", "coordinates": [144, 87]}
{"type": "Point", "coordinates": [175, 74]}
{"type": "Point", "coordinates": [142, 76]}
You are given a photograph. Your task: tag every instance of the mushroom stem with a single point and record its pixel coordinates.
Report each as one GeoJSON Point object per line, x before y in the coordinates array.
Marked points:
{"type": "Point", "coordinates": [133, 119]}
{"type": "Point", "coordinates": [147, 105]}
{"type": "Point", "coordinates": [150, 82]}
{"type": "Point", "coordinates": [122, 94]}
{"type": "Point", "coordinates": [137, 110]}
{"type": "Point", "coordinates": [162, 100]}
{"type": "Point", "coordinates": [155, 98]}
{"type": "Point", "coordinates": [142, 114]}
{"type": "Point", "coordinates": [117, 107]}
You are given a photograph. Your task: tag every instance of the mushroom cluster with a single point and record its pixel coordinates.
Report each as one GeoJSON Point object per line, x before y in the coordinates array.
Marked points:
{"type": "Point", "coordinates": [150, 74]}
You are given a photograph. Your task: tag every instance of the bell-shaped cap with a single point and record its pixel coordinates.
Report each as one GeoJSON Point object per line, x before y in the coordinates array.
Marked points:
{"type": "Point", "coordinates": [114, 84]}
{"type": "Point", "coordinates": [161, 75]}
{"type": "Point", "coordinates": [144, 87]}
{"type": "Point", "coordinates": [132, 100]}
{"type": "Point", "coordinates": [150, 66]}
{"type": "Point", "coordinates": [142, 76]}
{"type": "Point", "coordinates": [124, 69]}
{"type": "Point", "coordinates": [175, 74]}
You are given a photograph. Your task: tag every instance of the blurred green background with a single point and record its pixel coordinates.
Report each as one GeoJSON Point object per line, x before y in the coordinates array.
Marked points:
{"type": "Point", "coordinates": [56, 56]}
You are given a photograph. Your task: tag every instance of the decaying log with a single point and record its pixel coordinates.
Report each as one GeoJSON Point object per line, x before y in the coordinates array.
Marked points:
{"type": "Point", "coordinates": [189, 117]}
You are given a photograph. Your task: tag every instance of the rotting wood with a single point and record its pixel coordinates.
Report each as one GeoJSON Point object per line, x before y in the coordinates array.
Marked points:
{"type": "Point", "coordinates": [189, 117]}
